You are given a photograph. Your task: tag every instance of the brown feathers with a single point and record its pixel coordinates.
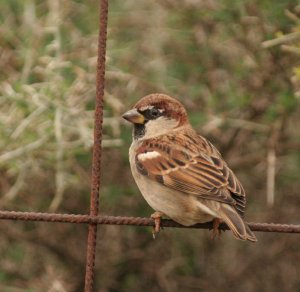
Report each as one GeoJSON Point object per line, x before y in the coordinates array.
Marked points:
{"type": "Point", "coordinates": [172, 108]}
{"type": "Point", "coordinates": [189, 167]}
{"type": "Point", "coordinates": [180, 173]}
{"type": "Point", "coordinates": [236, 224]}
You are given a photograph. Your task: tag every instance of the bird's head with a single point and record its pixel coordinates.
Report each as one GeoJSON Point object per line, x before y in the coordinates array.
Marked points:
{"type": "Point", "coordinates": [156, 114]}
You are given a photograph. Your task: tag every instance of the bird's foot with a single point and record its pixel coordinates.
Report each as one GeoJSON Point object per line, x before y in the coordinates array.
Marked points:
{"type": "Point", "coordinates": [156, 216]}
{"type": "Point", "coordinates": [216, 232]}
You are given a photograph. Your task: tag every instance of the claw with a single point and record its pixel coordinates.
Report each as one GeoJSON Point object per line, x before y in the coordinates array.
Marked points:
{"type": "Point", "coordinates": [157, 223]}
{"type": "Point", "coordinates": [216, 231]}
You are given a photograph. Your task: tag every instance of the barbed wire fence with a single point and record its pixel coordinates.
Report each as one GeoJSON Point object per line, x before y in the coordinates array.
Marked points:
{"type": "Point", "coordinates": [93, 219]}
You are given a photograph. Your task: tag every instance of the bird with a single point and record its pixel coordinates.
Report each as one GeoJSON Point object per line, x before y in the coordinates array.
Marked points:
{"type": "Point", "coordinates": [181, 174]}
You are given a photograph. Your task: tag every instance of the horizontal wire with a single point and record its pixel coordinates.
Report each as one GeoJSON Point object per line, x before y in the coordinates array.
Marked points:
{"type": "Point", "coordinates": [136, 221]}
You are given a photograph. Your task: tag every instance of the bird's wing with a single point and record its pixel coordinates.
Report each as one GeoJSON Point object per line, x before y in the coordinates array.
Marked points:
{"type": "Point", "coordinates": [188, 163]}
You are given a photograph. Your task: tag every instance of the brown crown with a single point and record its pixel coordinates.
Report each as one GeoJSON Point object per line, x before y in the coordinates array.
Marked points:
{"type": "Point", "coordinates": [171, 106]}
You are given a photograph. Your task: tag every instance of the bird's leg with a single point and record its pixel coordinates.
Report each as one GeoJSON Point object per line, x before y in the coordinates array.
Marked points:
{"type": "Point", "coordinates": [216, 231]}
{"type": "Point", "coordinates": [156, 216]}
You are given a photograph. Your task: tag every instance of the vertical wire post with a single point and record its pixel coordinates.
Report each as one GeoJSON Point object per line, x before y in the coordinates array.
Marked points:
{"type": "Point", "coordinates": [96, 164]}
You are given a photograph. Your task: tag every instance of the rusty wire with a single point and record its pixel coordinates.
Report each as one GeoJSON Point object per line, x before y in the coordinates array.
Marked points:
{"type": "Point", "coordinates": [135, 221]}
{"type": "Point", "coordinates": [96, 164]}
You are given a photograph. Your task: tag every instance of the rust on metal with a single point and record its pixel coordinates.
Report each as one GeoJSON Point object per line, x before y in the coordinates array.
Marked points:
{"type": "Point", "coordinates": [135, 221]}
{"type": "Point", "coordinates": [96, 164]}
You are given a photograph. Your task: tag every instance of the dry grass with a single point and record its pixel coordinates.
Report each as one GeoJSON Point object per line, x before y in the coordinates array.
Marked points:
{"type": "Point", "coordinates": [235, 67]}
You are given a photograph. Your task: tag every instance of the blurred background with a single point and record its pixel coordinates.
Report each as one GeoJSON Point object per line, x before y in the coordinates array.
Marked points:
{"type": "Point", "coordinates": [233, 64]}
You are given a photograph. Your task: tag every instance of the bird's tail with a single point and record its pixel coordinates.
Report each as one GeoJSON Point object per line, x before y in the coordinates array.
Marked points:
{"type": "Point", "coordinates": [236, 224]}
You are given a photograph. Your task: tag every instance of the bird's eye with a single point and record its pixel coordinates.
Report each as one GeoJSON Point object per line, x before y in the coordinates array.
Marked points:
{"type": "Point", "coordinates": [154, 112]}
{"type": "Point", "coordinates": [151, 113]}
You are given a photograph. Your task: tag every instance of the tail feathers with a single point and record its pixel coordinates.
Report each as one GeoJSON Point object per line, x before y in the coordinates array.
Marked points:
{"type": "Point", "coordinates": [236, 224]}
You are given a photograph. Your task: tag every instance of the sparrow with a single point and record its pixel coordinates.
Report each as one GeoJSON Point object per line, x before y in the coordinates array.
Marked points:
{"type": "Point", "coordinates": [180, 174]}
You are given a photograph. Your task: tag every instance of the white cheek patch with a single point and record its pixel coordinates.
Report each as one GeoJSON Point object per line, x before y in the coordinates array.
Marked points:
{"type": "Point", "coordinates": [148, 155]}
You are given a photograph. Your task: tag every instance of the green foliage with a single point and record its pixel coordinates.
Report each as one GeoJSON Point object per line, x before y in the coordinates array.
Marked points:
{"type": "Point", "coordinates": [240, 93]}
